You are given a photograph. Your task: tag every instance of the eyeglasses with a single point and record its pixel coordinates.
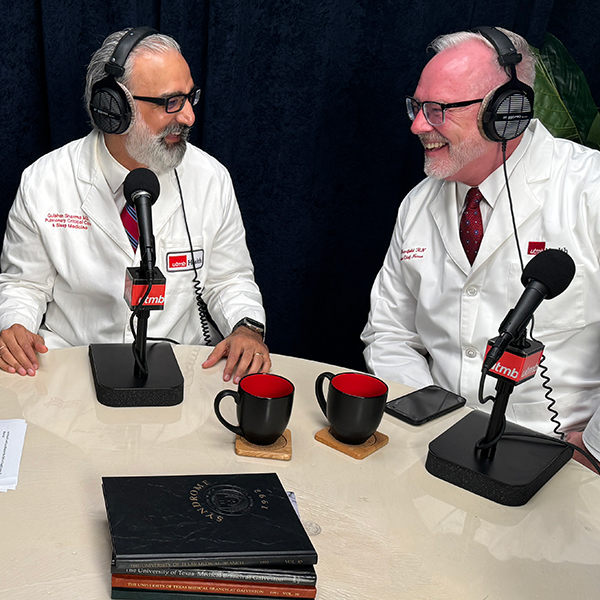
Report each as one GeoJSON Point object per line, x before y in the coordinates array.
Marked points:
{"type": "Point", "coordinates": [175, 103]}
{"type": "Point", "coordinates": [434, 112]}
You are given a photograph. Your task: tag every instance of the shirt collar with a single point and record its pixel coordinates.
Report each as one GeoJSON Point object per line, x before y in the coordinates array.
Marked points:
{"type": "Point", "coordinates": [114, 172]}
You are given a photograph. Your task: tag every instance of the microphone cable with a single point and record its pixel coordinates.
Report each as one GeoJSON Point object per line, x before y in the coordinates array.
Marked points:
{"type": "Point", "coordinates": [203, 312]}
{"type": "Point", "coordinates": [543, 369]}
{"type": "Point", "coordinates": [539, 436]}
{"type": "Point", "coordinates": [546, 382]}
{"type": "Point", "coordinates": [143, 367]}
{"type": "Point", "coordinates": [141, 364]}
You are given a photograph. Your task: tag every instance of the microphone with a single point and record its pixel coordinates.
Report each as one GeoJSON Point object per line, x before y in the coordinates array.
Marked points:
{"type": "Point", "coordinates": [141, 189]}
{"type": "Point", "coordinates": [547, 275]}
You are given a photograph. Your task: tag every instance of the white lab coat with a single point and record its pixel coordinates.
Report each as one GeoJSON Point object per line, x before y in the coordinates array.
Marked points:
{"type": "Point", "coordinates": [66, 252]}
{"type": "Point", "coordinates": [432, 313]}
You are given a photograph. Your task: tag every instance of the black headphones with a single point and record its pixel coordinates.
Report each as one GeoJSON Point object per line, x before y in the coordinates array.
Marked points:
{"type": "Point", "coordinates": [111, 104]}
{"type": "Point", "coordinates": [507, 110]}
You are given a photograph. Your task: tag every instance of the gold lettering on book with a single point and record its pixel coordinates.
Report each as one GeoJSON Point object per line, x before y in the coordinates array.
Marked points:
{"type": "Point", "coordinates": [195, 500]}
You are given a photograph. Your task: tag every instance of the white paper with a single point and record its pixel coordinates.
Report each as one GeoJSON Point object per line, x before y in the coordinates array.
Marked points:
{"type": "Point", "coordinates": [12, 437]}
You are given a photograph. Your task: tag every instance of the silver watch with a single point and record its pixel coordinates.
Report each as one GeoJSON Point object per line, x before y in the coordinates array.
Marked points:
{"type": "Point", "coordinates": [252, 325]}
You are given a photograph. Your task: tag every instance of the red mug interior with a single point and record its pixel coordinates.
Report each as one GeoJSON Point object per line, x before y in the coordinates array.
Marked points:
{"type": "Point", "coordinates": [358, 384]}
{"type": "Point", "coordinates": [266, 385]}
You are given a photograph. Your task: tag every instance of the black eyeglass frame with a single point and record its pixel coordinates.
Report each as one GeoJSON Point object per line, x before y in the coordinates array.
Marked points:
{"type": "Point", "coordinates": [412, 114]}
{"type": "Point", "coordinates": [193, 97]}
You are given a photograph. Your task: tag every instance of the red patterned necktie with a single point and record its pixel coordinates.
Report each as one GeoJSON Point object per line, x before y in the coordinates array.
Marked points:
{"type": "Point", "coordinates": [130, 222]}
{"type": "Point", "coordinates": [471, 224]}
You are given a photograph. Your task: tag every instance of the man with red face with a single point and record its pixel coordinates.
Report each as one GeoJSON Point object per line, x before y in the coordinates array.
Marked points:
{"type": "Point", "coordinates": [66, 249]}
{"type": "Point", "coordinates": [436, 301]}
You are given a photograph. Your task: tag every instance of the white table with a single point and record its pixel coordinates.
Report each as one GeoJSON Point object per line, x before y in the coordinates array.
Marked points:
{"type": "Point", "coordinates": [383, 527]}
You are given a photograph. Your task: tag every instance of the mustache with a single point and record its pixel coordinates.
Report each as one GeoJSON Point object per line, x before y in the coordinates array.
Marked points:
{"type": "Point", "coordinates": [176, 129]}
{"type": "Point", "coordinates": [428, 138]}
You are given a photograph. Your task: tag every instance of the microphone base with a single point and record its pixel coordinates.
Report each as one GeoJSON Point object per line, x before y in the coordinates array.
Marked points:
{"type": "Point", "coordinates": [511, 476]}
{"type": "Point", "coordinates": [116, 384]}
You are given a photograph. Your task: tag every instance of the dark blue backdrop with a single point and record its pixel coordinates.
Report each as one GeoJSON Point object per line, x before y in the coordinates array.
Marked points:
{"type": "Point", "coordinates": [303, 101]}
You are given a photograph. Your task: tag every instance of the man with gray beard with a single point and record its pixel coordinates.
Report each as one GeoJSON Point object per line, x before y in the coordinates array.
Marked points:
{"type": "Point", "coordinates": [70, 236]}
{"type": "Point", "coordinates": [453, 268]}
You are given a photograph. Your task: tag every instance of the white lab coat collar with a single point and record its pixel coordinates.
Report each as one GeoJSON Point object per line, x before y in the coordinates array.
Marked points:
{"type": "Point", "coordinates": [444, 211]}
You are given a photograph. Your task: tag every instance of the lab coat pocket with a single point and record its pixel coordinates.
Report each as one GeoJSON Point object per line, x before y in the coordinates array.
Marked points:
{"type": "Point", "coordinates": [179, 264]}
{"type": "Point", "coordinates": [565, 312]}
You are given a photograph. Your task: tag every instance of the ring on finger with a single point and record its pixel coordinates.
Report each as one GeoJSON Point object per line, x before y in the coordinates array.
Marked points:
{"type": "Point", "coordinates": [2, 348]}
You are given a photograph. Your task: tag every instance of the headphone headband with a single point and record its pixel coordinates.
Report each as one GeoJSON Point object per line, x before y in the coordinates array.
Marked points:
{"type": "Point", "coordinates": [507, 53]}
{"type": "Point", "coordinates": [116, 64]}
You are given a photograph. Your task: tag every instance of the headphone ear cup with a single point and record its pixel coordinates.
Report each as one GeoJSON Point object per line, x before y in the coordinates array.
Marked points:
{"type": "Point", "coordinates": [111, 106]}
{"type": "Point", "coordinates": [506, 111]}
{"type": "Point", "coordinates": [483, 116]}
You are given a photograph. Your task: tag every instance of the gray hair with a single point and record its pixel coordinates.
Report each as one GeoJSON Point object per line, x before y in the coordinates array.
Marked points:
{"type": "Point", "coordinates": [525, 69]}
{"type": "Point", "coordinates": [156, 42]}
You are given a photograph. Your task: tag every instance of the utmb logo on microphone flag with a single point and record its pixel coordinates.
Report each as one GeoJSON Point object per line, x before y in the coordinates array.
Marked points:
{"type": "Point", "coordinates": [136, 287]}
{"type": "Point", "coordinates": [517, 364]}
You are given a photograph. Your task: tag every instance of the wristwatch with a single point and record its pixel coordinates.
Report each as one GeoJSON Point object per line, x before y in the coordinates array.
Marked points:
{"type": "Point", "coordinates": [252, 325]}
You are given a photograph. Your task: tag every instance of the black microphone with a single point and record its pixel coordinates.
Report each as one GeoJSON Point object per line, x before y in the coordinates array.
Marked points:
{"type": "Point", "coordinates": [141, 189]}
{"type": "Point", "coordinates": [547, 275]}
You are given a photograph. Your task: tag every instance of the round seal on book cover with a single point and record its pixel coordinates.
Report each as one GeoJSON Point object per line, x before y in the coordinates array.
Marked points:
{"type": "Point", "coordinates": [228, 500]}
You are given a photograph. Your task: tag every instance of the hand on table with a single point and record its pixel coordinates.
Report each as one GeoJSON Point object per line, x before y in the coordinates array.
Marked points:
{"type": "Point", "coordinates": [18, 350]}
{"type": "Point", "coordinates": [245, 351]}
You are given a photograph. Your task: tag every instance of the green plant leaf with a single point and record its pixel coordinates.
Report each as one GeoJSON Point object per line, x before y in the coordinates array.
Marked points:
{"type": "Point", "coordinates": [563, 100]}
{"type": "Point", "coordinates": [593, 138]}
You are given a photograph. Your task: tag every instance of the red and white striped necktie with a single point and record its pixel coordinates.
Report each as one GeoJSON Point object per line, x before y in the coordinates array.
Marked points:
{"type": "Point", "coordinates": [130, 222]}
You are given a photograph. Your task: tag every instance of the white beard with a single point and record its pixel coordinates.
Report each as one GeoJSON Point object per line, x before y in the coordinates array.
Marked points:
{"type": "Point", "coordinates": [151, 150]}
{"type": "Point", "coordinates": [458, 156]}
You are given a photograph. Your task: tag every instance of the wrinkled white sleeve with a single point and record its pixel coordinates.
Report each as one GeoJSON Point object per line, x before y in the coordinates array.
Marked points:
{"type": "Point", "coordinates": [393, 347]}
{"type": "Point", "coordinates": [27, 277]}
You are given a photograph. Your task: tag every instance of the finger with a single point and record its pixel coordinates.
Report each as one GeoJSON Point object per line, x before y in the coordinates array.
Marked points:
{"type": "Point", "coordinates": [9, 363]}
{"type": "Point", "coordinates": [215, 356]}
{"type": "Point", "coordinates": [238, 367]}
{"type": "Point", "coordinates": [22, 349]}
{"type": "Point", "coordinates": [267, 364]}
{"type": "Point", "coordinates": [39, 344]}
{"type": "Point", "coordinates": [257, 364]}
{"type": "Point", "coordinates": [3, 364]}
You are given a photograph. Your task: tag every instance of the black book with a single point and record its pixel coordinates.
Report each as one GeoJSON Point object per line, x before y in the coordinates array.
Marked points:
{"type": "Point", "coordinates": [300, 575]}
{"type": "Point", "coordinates": [204, 520]}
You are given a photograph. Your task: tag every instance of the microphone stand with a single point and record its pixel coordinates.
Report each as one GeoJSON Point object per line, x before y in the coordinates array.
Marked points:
{"type": "Point", "coordinates": [497, 422]}
{"type": "Point", "coordinates": [141, 367]}
{"type": "Point", "coordinates": [492, 457]}
{"type": "Point", "coordinates": [138, 375]}
{"type": "Point", "coordinates": [142, 313]}
{"type": "Point", "coordinates": [124, 374]}
{"type": "Point", "coordinates": [504, 388]}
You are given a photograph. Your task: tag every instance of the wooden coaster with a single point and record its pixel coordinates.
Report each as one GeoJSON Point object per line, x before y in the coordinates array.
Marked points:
{"type": "Point", "coordinates": [280, 450]}
{"type": "Point", "coordinates": [359, 451]}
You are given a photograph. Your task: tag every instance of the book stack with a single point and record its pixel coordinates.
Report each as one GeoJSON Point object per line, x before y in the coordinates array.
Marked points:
{"type": "Point", "coordinates": [218, 537]}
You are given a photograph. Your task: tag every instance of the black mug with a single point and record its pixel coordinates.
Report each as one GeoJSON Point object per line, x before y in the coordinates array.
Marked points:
{"type": "Point", "coordinates": [264, 406]}
{"type": "Point", "coordinates": [354, 406]}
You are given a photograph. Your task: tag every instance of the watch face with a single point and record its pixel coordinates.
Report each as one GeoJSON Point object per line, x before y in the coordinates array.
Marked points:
{"type": "Point", "coordinates": [252, 325]}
